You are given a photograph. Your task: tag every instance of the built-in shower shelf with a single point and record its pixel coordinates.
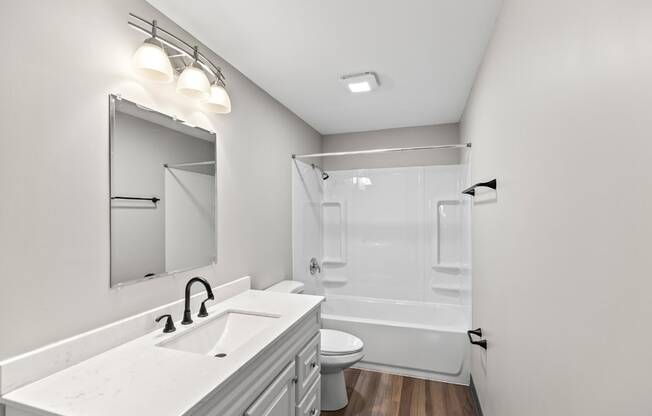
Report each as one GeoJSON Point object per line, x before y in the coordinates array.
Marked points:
{"type": "Point", "coordinates": [333, 261]}
{"type": "Point", "coordinates": [446, 230]}
{"type": "Point", "coordinates": [333, 214]}
{"type": "Point", "coordinates": [334, 279]}
{"type": "Point", "coordinates": [450, 267]}
{"type": "Point", "coordinates": [446, 288]}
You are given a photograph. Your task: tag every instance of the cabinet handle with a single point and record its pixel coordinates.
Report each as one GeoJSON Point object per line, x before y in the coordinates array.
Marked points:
{"type": "Point", "coordinates": [313, 364]}
{"type": "Point", "coordinates": [313, 411]}
{"type": "Point", "coordinates": [295, 380]}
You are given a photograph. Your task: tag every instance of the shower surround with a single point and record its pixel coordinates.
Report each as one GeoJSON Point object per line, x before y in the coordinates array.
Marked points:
{"type": "Point", "coordinates": [394, 249]}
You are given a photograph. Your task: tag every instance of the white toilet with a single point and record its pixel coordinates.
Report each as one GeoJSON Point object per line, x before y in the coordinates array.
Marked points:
{"type": "Point", "coordinates": [339, 351]}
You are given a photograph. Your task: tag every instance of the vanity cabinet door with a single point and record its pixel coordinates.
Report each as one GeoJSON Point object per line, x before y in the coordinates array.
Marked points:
{"type": "Point", "coordinates": [278, 399]}
{"type": "Point", "coordinates": [307, 366]}
{"type": "Point", "coordinates": [311, 404]}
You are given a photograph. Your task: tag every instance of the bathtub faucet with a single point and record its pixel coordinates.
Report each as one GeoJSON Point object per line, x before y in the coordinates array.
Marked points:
{"type": "Point", "coordinates": [314, 266]}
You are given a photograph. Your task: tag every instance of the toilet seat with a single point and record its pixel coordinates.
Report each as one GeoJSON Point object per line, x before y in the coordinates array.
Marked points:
{"type": "Point", "coordinates": [338, 343]}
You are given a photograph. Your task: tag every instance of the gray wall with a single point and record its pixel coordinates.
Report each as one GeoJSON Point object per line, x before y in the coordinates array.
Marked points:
{"type": "Point", "coordinates": [65, 58]}
{"type": "Point", "coordinates": [561, 115]}
{"type": "Point", "coordinates": [402, 137]}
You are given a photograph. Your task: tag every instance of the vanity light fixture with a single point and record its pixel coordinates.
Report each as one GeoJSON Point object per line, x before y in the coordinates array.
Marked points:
{"type": "Point", "coordinates": [193, 82]}
{"type": "Point", "coordinates": [151, 62]}
{"type": "Point", "coordinates": [219, 101]}
{"type": "Point", "coordinates": [363, 82]}
{"type": "Point", "coordinates": [164, 54]}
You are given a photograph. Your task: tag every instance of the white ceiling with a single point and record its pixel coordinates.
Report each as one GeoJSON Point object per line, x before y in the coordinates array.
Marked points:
{"type": "Point", "coordinates": [425, 52]}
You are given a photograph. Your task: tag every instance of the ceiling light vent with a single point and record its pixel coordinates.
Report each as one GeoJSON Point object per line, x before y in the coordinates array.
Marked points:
{"type": "Point", "coordinates": [357, 83]}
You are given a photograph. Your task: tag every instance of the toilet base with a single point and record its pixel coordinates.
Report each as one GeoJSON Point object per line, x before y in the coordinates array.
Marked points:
{"type": "Point", "coordinates": [333, 391]}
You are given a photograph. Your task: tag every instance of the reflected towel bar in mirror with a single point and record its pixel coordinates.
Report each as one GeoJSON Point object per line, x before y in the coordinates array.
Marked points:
{"type": "Point", "coordinates": [133, 198]}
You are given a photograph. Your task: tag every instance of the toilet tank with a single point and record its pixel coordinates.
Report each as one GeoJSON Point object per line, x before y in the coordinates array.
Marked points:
{"type": "Point", "coordinates": [287, 286]}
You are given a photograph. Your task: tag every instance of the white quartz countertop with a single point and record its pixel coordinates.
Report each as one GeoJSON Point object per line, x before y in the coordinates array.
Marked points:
{"type": "Point", "coordinates": [141, 378]}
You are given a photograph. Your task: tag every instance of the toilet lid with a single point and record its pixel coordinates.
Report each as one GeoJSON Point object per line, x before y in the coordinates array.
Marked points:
{"type": "Point", "coordinates": [339, 343]}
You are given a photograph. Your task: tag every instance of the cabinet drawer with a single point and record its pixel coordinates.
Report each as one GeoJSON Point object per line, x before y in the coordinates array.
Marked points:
{"type": "Point", "coordinates": [311, 404]}
{"type": "Point", "coordinates": [307, 366]}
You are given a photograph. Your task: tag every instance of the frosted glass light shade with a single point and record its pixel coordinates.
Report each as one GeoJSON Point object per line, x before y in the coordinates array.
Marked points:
{"type": "Point", "coordinates": [219, 101]}
{"type": "Point", "coordinates": [151, 62]}
{"type": "Point", "coordinates": [193, 83]}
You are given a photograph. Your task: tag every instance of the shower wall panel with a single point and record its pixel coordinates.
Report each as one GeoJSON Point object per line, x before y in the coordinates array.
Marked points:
{"type": "Point", "coordinates": [404, 232]}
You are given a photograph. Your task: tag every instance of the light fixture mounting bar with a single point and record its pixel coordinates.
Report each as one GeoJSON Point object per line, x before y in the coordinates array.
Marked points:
{"type": "Point", "coordinates": [179, 45]}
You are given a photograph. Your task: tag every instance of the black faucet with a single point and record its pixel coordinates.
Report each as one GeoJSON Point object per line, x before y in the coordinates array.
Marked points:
{"type": "Point", "coordinates": [187, 319]}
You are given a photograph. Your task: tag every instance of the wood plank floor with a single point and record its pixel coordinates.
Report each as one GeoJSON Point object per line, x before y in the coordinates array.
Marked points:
{"type": "Point", "coordinates": [380, 394]}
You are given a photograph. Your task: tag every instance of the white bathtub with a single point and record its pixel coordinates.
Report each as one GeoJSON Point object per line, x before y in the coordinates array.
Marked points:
{"type": "Point", "coordinates": [424, 340]}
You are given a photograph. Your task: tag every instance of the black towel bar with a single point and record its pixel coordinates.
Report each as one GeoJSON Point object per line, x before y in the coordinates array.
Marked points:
{"type": "Point", "coordinates": [478, 332]}
{"type": "Point", "coordinates": [471, 190]}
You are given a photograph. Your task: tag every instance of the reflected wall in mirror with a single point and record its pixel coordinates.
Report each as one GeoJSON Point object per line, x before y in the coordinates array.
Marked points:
{"type": "Point", "coordinates": [163, 194]}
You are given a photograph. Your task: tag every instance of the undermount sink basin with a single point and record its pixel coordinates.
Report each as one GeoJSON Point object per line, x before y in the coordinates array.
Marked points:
{"type": "Point", "coordinates": [221, 335]}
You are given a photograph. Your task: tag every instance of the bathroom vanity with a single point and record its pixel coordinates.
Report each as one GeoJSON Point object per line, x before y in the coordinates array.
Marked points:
{"type": "Point", "coordinates": [257, 353]}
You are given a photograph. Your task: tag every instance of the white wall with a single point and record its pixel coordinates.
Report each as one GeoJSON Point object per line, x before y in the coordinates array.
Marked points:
{"type": "Point", "coordinates": [561, 116]}
{"type": "Point", "coordinates": [60, 62]}
{"type": "Point", "coordinates": [402, 137]}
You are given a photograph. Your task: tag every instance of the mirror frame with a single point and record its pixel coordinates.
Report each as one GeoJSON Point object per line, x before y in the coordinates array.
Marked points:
{"type": "Point", "coordinates": [113, 98]}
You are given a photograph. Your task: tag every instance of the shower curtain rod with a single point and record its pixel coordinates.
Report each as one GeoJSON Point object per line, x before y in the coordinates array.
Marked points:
{"type": "Point", "coordinates": [375, 151]}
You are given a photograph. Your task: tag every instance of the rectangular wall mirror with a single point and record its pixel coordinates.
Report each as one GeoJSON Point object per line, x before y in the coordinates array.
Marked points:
{"type": "Point", "coordinates": [163, 194]}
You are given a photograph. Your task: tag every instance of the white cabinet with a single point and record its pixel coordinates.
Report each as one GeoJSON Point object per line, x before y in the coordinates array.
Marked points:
{"type": "Point", "coordinates": [279, 378]}
{"type": "Point", "coordinates": [296, 390]}
{"type": "Point", "coordinates": [308, 366]}
{"type": "Point", "coordinates": [277, 381]}
{"type": "Point", "coordinates": [311, 404]}
{"type": "Point", "coordinates": [279, 398]}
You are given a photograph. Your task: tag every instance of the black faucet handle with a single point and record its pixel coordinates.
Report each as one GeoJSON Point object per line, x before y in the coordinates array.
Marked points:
{"type": "Point", "coordinates": [169, 324]}
{"type": "Point", "coordinates": [202, 309]}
